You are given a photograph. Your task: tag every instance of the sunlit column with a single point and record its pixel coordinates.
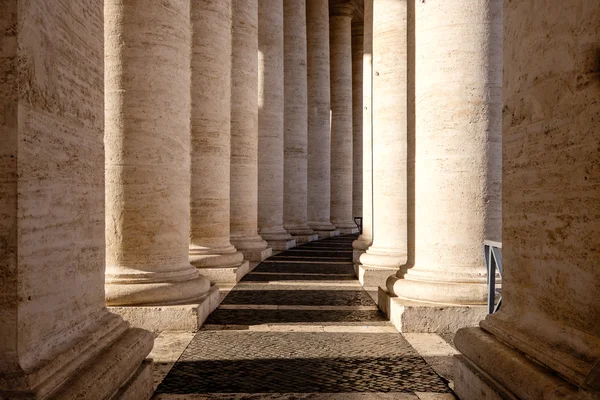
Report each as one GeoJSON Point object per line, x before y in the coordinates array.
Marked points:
{"type": "Point", "coordinates": [270, 125]}
{"type": "Point", "coordinates": [244, 131]}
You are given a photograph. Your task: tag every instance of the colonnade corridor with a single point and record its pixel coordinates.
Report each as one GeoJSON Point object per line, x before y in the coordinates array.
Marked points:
{"type": "Point", "coordinates": [299, 326]}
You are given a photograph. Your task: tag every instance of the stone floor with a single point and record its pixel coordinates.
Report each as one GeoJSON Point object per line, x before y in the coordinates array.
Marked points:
{"type": "Point", "coordinates": [300, 326]}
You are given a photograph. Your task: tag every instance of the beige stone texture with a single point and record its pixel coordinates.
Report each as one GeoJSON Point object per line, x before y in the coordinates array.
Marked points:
{"type": "Point", "coordinates": [457, 150]}
{"type": "Point", "coordinates": [366, 237]}
{"type": "Point", "coordinates": [210, 248]}
{"type": "Point", "coordinates": [57, 338]}
{"type": "Point", "coordinates": [270, 124]}
{"type": "Point", "coordinates": [305, 238]}
{"type": "Point", "coordinates": [244, 130]}
{"type": "Point", "coordinates": [357, 117]}
{"type": "Point", "coordinates": [390, 233]}
{"type": "Point", "coordinates": [295, 186]}
{"type": "Point", "coordinates": [147, 143]}
{"type": "Point", "coordinates": [319, 106]}
{"type": "Point", "coordinates": [547, 328]}
{"type": "Point", "coordinates": [340, 54]}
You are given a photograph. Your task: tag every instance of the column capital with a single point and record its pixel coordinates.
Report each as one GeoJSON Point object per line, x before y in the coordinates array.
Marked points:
{"type": "Point", "coordinates": [341, 8]}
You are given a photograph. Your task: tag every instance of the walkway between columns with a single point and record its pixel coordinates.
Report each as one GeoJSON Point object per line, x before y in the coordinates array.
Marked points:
{"type": "Point", "coordinates": [298, 323]}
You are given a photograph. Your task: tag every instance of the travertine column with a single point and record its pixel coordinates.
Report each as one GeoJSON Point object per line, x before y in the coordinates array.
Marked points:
{"type": "Point", "coordinates": [458, 155]}
{"type": "Point", "coordinates": [295, 121]}
{"type": "Point", "coordinates": [244, 131]}
{"type": "Point", "coordinates": [270, 125]}
{"type": "Point", "coordinates": [357, 117]}
{"type": "Point", "coordinates": [319, 118]}
{"type": "Point", "coordinates": [366, 237]}
{"type": "Point", "coordinates": [544, 342]}
{"type": "Point", "coordinates": [57, 338]}
{"type": "Point", "coordinates": [389, 249]}
{"type": "Point", "coordinates": [210, 248]}
{"type": "Point", "coordinates": [340, 47]}
{"type": "Point", "coordinates": [147, 139]}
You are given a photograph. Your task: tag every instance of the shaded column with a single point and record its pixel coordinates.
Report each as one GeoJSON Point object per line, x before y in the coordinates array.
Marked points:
{"type": "Point", "coordinates": [270, 125]}
{"type": "Point", "coordinates": [319, 118]}
{"type": "Point", "coordinates": [458, 157]}
{"type": "Point", "coordinates": [210, 248]}
{"type": "Point", "coordinates": [357, 117]}
{"type": "Point", "coordinates": [340, 45]}
{"type": "Point", "coordinates": [244, 132]}
{"type": "Point", "coordinates": [544, 342]}
{"type": "Point", "coordinates": [388, 252]}
{"type": "Point", "coordinates": [147, 140]}
{"type": "Point", "coordinates": [366, 237]}
{"type": "Point", "coordinates": [295, 122]}
{"type": "Point", "coordinates": [57, 338]}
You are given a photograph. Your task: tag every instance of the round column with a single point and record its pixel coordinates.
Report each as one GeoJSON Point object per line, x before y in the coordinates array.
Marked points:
{"type": "Point", "coordinates": [389, 249]}
{"type": "Point", "coordinates": [319, 119]}
{"type": "Point", "coordinates": [458, 151]}
{"type": "Point", "coordinates": [244, 130]}
{"type": "Point", "coordinates": [210, 155]}
{"type": "Point", "coordinates": [366, 237]}
{"type": "Point", "coordinates": [357, 118]}
{"type": "Point", "coordinates": [340, 45]}
{"type": "Point", "coordinates": [295, 121]}
{"type": "Point", "coordinates": [147, 145]}
{"type": "Point", "coordinates": [270, 121]}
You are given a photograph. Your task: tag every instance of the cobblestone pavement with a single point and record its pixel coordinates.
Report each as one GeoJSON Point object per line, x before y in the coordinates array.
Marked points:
{"type": "Point", "coordinates": [301, 324]}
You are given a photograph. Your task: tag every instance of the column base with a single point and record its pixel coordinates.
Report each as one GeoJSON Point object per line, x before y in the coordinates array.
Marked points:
{"type": "Point", "coordinates": [488, 369]}
{"type": "Point", "coordinates": [99, 367]}
{"type": "Point", "coordinates": [302, 239]}
{"type": "Point", "coordinates": [348, 231]}
{"type": "Point", "coordinates": [359, 247]}
{"type": "Point", "coordinates": [225, 274]}
{"type": "Point", "coordinates": [420, 317]}
{"type": "Point", "coordinates": [257, 255]}
{"type": "Point", "coordinates": [281, 245]}
{"type": "Point", "coordinates": [370, 276]}
{"type": "Point", "coordinates": [326, 234]}
{"type": "Point", "coordinates": [182, 317]}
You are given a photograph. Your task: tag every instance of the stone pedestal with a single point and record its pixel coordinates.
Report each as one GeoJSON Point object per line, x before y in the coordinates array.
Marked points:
{"type": "Point", "coordinates": [360, 245]}
{"type": "Point", "coordinates": [147, 143]}
{"type": "Point", "coordinates": [210, 249]}
{"type": "Point", "coordinates": [244, 132]}
{"type": "Point", "coordinates": [305, 238]}
{"type": "Point", "coordinates": [319, 109]}
{"type": "Point", "coordinates": [340, 48]}
{"type": "Point", "coordinates": [270, 125]}
{"type": "Point", "coordinates": [295, 121]}
{"type": "Point", "coordinates": [544, 342]}
{"type": "Point", "coordinates": [458, 156]}
{"type": "Point", "coordinates": [57, 338]}
{"type": "Point", "coordinates": [388, 252]}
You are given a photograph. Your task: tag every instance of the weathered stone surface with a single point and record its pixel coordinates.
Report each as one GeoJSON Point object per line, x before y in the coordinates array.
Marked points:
{"type": "Point", "coordinates": [357, 117]}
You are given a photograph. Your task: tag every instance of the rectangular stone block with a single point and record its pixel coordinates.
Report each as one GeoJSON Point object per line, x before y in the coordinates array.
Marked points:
{"type": "Point", "coordinates": [227, 274]}
{"type": "Point", "coordinates": [474, 384]}
{"type": "Point", "coordinates": [183, 317]}
{"type": "Point", "coordinates": [374, 276]}
{"type": "Point", "coordinates": [348, 231]}
{"type": "Point", "coordinates": [305, 238]}
{"type": "Point", "coordinates": [326, 234]}
{"type": "Point", "coordinates": [257, 255]}
{"type": "Point", "coordinates": [282, 244]}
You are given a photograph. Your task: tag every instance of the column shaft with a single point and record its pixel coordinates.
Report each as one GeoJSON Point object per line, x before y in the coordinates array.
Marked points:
{"type": "Point", "coordinates": [340, 44]}
{"type": "Point", "coordinates": [147, 139]}
{"type": "Point", "coordinates": [270, 124]}
{"type": "Point", "coordinates": [389, 249]}
{"type": "Point", "coordinates": [357, 117]}
{"type": "Point", "coordinates": [211, 142]}
{"type": "Point", "coordinates": [244, 131]}
{"type": "Point", "coordinates": [319, 117]}
{"type": "Point", "coordinates": [295, 120]}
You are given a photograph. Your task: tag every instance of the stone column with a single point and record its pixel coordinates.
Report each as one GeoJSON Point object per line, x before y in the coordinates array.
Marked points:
{"type": "Point", "coordinates": [319, 118]}
{"type": "Point", "coordinates": [388, 252]}
{"type": "Point", "coordinates": [57, 338]}
{"type": "Point", "coordinates": [544, 342]}
{"type": "Point", "coordinates": [244, 132]}
{"type": "Point", "coordinates": [210, 248]}
{"type": "Point", "coordinates": [357, 117]}
{"type": "Point", "coordinates": [458, 162]}
{"type": "Point", "coordinates": [295, 122]}
{"type": "Point", "coordinates": [340, 45]}
{"type": "Point", "coordinates": [147, 141]}
{"type": "Point", "coordinates": [366, 237]}
{"type": "Point", "coordinates": [270, 125]}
